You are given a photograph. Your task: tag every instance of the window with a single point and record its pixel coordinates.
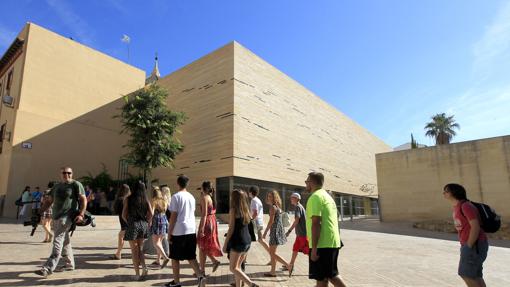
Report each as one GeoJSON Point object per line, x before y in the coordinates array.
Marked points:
{"type": "Point", "coordinates": [9, 81]}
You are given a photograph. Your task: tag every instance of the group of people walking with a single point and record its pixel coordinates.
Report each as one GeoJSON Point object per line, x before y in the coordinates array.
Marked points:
{"type": "Point", "coordinates": [172, 218]}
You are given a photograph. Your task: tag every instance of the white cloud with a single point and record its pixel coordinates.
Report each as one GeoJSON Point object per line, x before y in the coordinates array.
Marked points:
{"type": "Point", "coordinates": [482, 113]}
{"type": "Point", "coordinates": [493, 45]}
{"type": "Point", "coordinates": [119, 5]}
{"type": "Point", "coordinates": [483, 109]}
{"type": "Point", "coordinates": [73, 21]}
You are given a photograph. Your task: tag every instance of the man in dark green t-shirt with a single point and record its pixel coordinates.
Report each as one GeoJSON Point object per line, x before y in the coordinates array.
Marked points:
{"type": "Point", "coordinates": [69, 204]}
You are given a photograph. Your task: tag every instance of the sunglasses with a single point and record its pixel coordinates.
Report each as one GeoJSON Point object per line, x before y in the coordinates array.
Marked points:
{"type": "Point", "coordinates": [67, 172]}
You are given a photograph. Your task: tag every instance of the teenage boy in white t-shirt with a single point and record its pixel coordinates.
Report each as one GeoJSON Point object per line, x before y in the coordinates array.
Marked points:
{"type": "Point", "coordinates": [182, 236]}
{"type": "Point", "coordinates": [257, 210]}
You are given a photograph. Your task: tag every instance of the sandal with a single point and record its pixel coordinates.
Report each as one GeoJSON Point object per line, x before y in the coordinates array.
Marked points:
{"type": "Point", "coordinates": [144, 274]}
{"type": "Point", "coordinates": [215, 266]}
{"type": "Point", "coordinates": [115, 257]}
{"type": "Point", "coordinates": [165, 262]}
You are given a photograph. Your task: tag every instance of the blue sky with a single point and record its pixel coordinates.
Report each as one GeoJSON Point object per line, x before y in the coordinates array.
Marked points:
{"type": "Point", "coordinates": [389, 65]}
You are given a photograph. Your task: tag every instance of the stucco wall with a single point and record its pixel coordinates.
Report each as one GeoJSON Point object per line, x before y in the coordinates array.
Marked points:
{"type": "Point", "coordinates": [8, 113]}
{"type": "Point", "coordinates": [69, 93]}
{"type": "Point", "coordinates": [411, 181]}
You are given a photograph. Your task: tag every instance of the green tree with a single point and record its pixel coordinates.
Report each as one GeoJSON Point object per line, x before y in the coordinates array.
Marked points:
{"type": "Point", "coordinates": [151, 127]}
{"type": "Point", "coordinates": [441, 128]}
{"type": "Point", "coordinates": [414, 144]}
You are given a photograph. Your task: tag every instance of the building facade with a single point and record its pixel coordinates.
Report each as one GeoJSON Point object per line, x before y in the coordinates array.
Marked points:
{"type": "Point", "coordinates": [58, 97]}
{"type": "Point", "coordinates": [248, 123]}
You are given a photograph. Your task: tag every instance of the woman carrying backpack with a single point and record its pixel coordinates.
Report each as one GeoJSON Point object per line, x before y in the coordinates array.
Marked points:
{"type": "Point", "coordinates": [26, 198]}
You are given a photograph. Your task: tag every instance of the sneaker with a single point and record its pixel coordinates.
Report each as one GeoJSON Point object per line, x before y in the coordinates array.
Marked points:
{"type": "Point", "coordinates": [155, 264]}
{"type": "Point", "coordinates": [43, 272]}
{"type": "Point", "coordinates": [66, 267]}
{"type": "Point", "coordinates": [201, 281]}
{"type": "Point", "coordinates": [172, 284]}
{"type": "Point", "coordinates": [93, 221]}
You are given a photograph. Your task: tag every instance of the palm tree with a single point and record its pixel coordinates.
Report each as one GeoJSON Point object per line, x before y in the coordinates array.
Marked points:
{"type": "Point", "coordinates": [441, 128]}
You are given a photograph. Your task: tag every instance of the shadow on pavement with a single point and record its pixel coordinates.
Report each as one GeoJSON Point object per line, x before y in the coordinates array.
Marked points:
{"type": "Point", "coordinates": [406, 229]}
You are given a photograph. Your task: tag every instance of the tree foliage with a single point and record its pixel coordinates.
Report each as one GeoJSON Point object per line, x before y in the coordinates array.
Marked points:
{"type": "Point", "coordinates": [414, 144]}
{"type": "Point", "coordinates": [102, 180]}
{"type": "Point", "coordinates": [441, 128]}
{"type": "Point", "coordinates": [151, 127]}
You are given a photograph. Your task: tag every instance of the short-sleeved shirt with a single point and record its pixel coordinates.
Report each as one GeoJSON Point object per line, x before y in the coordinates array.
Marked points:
{"type": "Point", "coordinates": [26, 196]}
{"type": "Point", "coordinates": [462, 222]}
{"type": "Point", "coordinates": [36, 196]}
{"type": "Point", "coordinates": [320, 203]}
{"type": "Point", "coordinates": [65, 198]}
{"type": "Point", "coordinates": [256, 204]}
{"type": "Point", "coordinates": [183, 203]}
{"type": "Point", "coordinates": [301, 214]}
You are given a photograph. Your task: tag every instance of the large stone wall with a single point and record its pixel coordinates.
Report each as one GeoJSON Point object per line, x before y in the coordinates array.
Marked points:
{"type": "Point", "coordinates": [411, 181]}
{"type": "Point", "coordinates": [248, 119]}
{"type": "Point", "coordinates": [204, 91]}
{"type": "Point", "coordinates": [283, 131]}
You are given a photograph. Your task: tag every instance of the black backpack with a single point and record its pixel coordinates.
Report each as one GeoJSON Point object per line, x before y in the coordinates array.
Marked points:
{"type": "Point", "coordinates": [490, 220]}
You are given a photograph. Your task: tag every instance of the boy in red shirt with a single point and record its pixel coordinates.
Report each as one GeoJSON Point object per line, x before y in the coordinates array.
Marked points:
{"type": "Point", "coordinates": [473, 241]}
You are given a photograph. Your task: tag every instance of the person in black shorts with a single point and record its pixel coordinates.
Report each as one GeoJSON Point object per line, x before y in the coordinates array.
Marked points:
{"type": "Point", "coordinates": [322, 232]}
{"type": "Point", "coordinates": [182, 236]}
{"type": "Point", "coordinates": [238, 240]}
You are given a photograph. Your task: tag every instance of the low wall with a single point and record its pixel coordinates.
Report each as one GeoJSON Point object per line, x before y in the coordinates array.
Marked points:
{"type": "Point", "coordinates": [411, 181]}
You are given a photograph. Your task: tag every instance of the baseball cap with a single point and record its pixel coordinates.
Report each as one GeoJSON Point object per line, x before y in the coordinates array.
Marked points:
{"type": "Point", "coordinates": [296, 195]}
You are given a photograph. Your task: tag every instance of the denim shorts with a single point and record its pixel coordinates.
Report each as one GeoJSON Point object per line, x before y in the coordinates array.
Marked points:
{"type": "Point", "coordinates": [471, 259]}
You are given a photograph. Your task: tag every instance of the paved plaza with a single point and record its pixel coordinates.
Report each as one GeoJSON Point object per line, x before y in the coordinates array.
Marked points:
{"type": "Point", "coordinates": [372, 256]}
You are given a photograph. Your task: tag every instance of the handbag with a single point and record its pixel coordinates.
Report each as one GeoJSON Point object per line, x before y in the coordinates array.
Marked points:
{"type": "Point", "coordinates": [251, 229]}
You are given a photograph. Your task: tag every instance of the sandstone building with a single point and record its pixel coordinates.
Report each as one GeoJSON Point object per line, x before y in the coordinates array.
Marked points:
{"type": "Point", "coordinates": [248, 123]}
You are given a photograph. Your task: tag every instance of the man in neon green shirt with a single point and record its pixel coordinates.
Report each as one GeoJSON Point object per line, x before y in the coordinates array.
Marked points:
{"type": "Point", "coordinates": [322, 232]}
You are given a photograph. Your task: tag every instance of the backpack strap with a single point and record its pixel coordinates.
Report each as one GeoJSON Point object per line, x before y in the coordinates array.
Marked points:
{"type": "Point", "coordinates": [76, 190]}
{"type": "Point", "coordinates": [461, 210]}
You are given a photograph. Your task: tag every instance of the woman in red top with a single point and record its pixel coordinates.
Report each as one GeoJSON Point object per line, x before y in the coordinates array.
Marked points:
{"type": "Point", "coordinates": [473, 241]}
{"type": "Point", "coordinates": [208, 243]}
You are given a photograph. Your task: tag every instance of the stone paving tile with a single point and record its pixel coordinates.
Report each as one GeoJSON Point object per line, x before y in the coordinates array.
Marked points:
{"type": "Point", "coordinates": [368, 259]}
